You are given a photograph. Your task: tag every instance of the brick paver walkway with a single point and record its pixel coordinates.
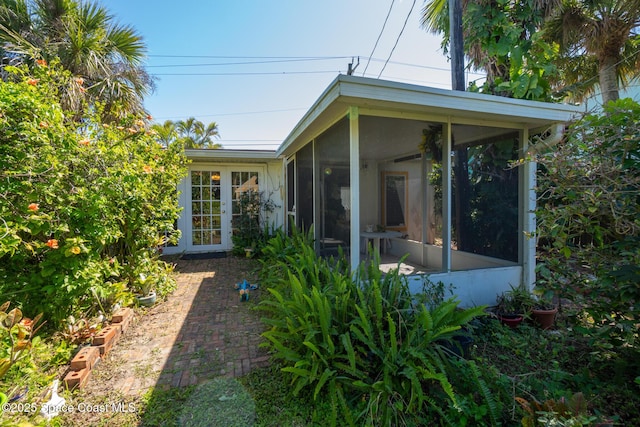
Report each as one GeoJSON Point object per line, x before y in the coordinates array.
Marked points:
{"type": "Point", "coordinates": [202, 331]}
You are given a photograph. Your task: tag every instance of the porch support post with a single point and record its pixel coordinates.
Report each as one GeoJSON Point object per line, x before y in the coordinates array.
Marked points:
{"type": "Point", "coordinates": [446, 200]}
{"type": "Point", "coordinates": [354, 177]}
{"type": "Point", "coordinates": [527, 207]}
{"type": "Point", "coordinates": [425, 219]}
{"type": "Point", "coordinates": [316, 197]}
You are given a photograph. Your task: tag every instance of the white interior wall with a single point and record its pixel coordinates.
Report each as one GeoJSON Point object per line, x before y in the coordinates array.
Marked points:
{"type": "Point", "coordinates": [414, 209]}
{"type": "Point", "coordinates": [459, 260]}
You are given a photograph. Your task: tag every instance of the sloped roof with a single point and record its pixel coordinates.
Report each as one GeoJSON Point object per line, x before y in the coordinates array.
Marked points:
{"type": "Point", "coordinates": [386, 98]}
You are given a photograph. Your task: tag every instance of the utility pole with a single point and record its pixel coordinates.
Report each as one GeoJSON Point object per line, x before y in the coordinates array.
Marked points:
{"type": "Point", "coordinates": [460, 169]}
{"type": "Point", "coordinates": [351, 68]}
{"type": "Point", "coordinates": [456, 46]}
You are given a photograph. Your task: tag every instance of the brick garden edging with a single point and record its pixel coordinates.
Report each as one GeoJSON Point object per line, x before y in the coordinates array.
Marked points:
{"type": "Point", "coordinates": [82, 363]}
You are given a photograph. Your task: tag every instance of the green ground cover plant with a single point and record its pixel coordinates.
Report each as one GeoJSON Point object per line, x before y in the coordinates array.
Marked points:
{"type": "Point", "coordinates": [349, 351]}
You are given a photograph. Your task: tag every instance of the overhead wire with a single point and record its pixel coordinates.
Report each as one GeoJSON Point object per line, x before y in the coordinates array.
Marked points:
{"type": "Point", "coordinates": [378, 39]}
{"type": "Point", "coordinates": [237, 113]}
{"type": "Point", "coordinates": [398, 38]}
{"type": "Point", "coordinates": [277, 59]}
{"type": "Point", "coordinates": [266, 60]}
{"type": "Point", "coordinates": [272, 61]}
{"type": "Point", "coordinates": [425, 67]}
{"type": "Point", "coordinates": [247, 57]}
{"type": "Point", "coordinates": [259, 73]}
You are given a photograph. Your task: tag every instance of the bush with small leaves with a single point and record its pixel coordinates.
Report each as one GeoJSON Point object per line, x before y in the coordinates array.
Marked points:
{"type": "Point", "coordinates": [82, 202]}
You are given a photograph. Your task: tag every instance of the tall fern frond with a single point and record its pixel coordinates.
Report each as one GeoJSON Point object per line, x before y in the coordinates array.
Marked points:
{"type": "Point", "coordinates": [444, 419]}
{"type": "Point", "coordinates": [485, 392]}
{"type": "Point", "coordinates": [351, 354]}
{"type": "Point", "coordinates": [393, 340]}
{"type": "Point", "coordinates": [327, 375]}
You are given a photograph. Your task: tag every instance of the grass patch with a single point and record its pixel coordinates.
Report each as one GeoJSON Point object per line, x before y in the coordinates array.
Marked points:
{"type": "Point", "coordinates": [553, 365]}
{"type": "Point", "coordinates": [219, 402]}
{"type": "Point", "coordinates": [274, 403]}
{"type": "Point", "coordinates": [162, 407]}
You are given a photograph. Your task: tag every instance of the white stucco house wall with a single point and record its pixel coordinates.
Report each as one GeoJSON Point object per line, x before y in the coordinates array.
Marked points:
{"type": "Point", "coordinates": [373, 156]}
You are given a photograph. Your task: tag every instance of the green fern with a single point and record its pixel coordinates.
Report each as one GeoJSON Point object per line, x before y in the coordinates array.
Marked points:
{"type": "Point", "coordinates": [486, 393]}
{"type": "Point", "coordinates": [362, 336]}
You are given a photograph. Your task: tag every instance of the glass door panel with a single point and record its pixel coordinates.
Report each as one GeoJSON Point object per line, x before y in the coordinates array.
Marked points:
{"type": "Point", "coordinates": [246, 202]}
{"type": "Point", "coordinates": [206, 210]}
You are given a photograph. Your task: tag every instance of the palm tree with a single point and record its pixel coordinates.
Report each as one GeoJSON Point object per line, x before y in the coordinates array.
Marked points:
{"type": "Point", "coordinates": [166, 133]}
{"type": "Point", "coordinates": [196, 135]}
{"type": "Point", "coordinates": [599, 36]}
{"type": "Point", "coordinates": [490, 28]}
{"type": "Point", "coordinates": [104, 57]}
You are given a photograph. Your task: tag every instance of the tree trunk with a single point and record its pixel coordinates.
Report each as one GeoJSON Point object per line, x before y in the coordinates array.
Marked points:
{"type": "Point", "coordinates": [457, 45]}
{"type": "Point", "coordinates": [608, 75]}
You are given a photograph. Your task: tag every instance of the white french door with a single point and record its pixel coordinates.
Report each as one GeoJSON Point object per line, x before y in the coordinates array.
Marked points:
{"type": "Point", "coordinates": [208, 227]}
{"type": "Point", "coordinates": [214, 200]}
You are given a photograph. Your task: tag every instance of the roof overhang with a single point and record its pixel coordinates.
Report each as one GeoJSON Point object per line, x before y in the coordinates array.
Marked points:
{"type": "Point", "coordinates": [393, 99]}
{"type": "Point", "coordinates": [230, 156]}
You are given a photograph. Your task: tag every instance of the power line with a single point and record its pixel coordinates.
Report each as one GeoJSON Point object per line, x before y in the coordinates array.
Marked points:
{"type": "Point", "coordinates": [398, 39]}
{"type": "Point", "coordinates": [274, 61]}
{"type": "Point", "coordinates": [424, 67]}
{"type": "Point", "coordinates": [379, 36]}
{"type": "Point", "coordinates": [255, 112]}
{"type": "Point", "coordinates": [243, 113]}
{"type": "Point", "coordinates": [250, 74]}
{"type": "Point", "coordinates": [283, 59]}
{"type": "Point", "coordinates": [277, 59]}
{"type": "Point", "coordinates": [249, 140]}
{"type": "Point", "coordinates": [250, 57]}
{"type": "Point", "coordinates": [253, 144]}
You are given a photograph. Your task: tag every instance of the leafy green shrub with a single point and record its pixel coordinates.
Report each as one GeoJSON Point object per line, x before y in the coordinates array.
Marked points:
{"type": "Point", "coordinates": [589, 221]}
{"type": "Point", "coordinates": [249, 227]}
{"type": "Point", "coordinates": [82, 202]}
{"type": "Point", "coordinates": [364, 341]}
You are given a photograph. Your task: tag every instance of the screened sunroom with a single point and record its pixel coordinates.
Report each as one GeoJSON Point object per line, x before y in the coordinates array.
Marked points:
{"type": "Point", "coordinates": [421, 174]}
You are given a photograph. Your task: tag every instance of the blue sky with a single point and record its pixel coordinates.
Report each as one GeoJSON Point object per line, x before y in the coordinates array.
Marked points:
{"type": "Point", "coordinates": [256, 105]}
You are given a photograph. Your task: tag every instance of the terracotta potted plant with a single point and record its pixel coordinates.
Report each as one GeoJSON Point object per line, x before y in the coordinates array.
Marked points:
{"type": "Point", "coordinates": [544, 312]}
{"type": "Point", "coordinates": [514, 305]}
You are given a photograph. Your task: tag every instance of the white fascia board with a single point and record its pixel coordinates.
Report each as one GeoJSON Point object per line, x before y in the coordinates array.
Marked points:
{"type": "Point", "coordinates": [457, 102]}
{"type": "Point", "coordinates": [208, 155]}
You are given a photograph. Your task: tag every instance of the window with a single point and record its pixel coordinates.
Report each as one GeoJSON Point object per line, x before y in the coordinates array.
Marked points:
{"type": "Point", "coordinates": [394, 200]}
{"type": "Point", "coordinates": [245, 194]}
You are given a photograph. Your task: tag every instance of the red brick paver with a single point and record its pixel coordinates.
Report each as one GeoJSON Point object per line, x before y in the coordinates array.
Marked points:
{"type": "Point", "coordinates": [202, 331]}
